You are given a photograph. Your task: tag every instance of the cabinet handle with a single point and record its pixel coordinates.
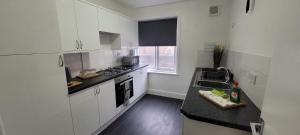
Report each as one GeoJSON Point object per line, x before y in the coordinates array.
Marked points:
{"type": "Point", "coordinates": [81, 44]}
{"type": "Point", "coordinates": [95, 92]}
{"type": "Point", "coordinates": [77, 44]}
{"type": "Point", "coordinates": [98, 91]}
{"type": "Point", "coordinates": [60, 61]}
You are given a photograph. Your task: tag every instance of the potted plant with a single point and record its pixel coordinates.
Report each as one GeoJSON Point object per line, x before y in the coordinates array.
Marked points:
{"type": "Point", "coordinates": [218, 53]}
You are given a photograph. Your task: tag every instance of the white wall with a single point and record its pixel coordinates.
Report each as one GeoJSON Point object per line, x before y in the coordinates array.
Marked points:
{"type": "Point", "coordinates": [196, 29]}
{"type": "Point", "coordinates": [252, 33]}
{"type": "Point", "coordinates": [251, 46]}
{"type": "Point", "coordinates": [281, 105]}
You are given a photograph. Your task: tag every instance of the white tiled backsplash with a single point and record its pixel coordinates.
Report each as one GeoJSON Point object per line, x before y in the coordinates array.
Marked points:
{"type": "Point", "coordinates": [73, 61]}
{"type": "Point", "coordinates": [100, 59]}
{"type": "Point", "coordinates": [251, 71]}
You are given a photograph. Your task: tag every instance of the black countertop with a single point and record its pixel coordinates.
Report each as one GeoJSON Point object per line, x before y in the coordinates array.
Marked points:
{"type": "Point", "coordinates": [100, 79]}
{"type": "Point", "coordinates": [197, 108]}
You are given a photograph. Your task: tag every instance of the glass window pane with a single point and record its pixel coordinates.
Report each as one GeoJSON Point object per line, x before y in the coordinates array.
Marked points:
{"type": "Point", "coordinates": [147, 56]}
{"type": "Point", "coordinates": [166, 56]}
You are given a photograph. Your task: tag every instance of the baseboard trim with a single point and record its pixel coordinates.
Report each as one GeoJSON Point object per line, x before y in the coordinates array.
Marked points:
{"type": "Point", "coordinates": [165, 93]}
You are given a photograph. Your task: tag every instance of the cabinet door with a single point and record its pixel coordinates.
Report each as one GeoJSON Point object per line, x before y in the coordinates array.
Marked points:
{"type": "Point", "coordinates": [27, 28]}
{"type": "Point", "coordinates": [135, 86]}
{"type": "Point", "coordinates": [107, 101]}
{"type": "Point", "coordinates": [144, 80]}
{"type": "Point", "coordinates": [67, 25]}
{"type": "Point", "coordinates": [129, 33]}
{"type": "Point", "coordinates": [84, 108]}
{"type": "Point", "coordinates": [33, 95]}
{"type": "Point", "coordinates": [133, 33]}
{"type": "Point", "coordinates": [141, 81]}
{"type": "Point", "coordinates": [87, 24]}
{"type": "Point", "coordinates": [108, 21]}
{"type": "Point", "coordinates": [125, 36]}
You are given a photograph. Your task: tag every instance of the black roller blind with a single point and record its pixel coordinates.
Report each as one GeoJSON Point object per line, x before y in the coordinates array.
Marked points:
{"type": "Point", "coordinates": [158, 32]}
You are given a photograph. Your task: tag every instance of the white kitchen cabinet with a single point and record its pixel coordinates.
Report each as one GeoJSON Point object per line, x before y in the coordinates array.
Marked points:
{"type": "Point", "coordinates": [78, 23]}
{"type": "Point", "coordinates": [87, 25]}
{"type": "Point", "coordinates": [27, 28]}
{"type": "Point", "coordinates": [143, 81]}
{"type": "Point", "coordinates": [193, 127]}
{"type": "Point", "coordinates": [129, 34]}
{"type": "Point", "coordinates": [107, 101]}
{"type": "Point", "coordinates": [140, 82]}
{"type": "Point", "coordinates": [33, 95]}
{"type": "Point", "coordinates": [93, 107]}
{"type": "Point", "coordinates": [68, 26]}
{"type": "Point", "coordinates": [85, 112]}
{"type": "Point", "coordinates": [108, 21]}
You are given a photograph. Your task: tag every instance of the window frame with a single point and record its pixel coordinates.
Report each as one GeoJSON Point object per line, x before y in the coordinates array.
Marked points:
{"type": "Point", "coordinates": [177, 48]}
{"type": "Point", "coordinates": [157, 69]}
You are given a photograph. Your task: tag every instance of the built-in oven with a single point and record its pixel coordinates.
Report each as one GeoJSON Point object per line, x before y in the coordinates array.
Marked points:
{"type": "Point", "coordinates": [124, 89]}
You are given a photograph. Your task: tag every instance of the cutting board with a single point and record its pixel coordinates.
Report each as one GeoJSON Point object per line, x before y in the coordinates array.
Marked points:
{"type": "Point", "coordinates": [219, 101]}
{"type": "Point", "coordinates": [73, 84]}
{"type": "Point", "coordinates": [88, 76]}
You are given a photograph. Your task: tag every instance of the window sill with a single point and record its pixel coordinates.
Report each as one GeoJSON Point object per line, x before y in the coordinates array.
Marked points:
{"type": "Point", "coordinates": [163, 72]}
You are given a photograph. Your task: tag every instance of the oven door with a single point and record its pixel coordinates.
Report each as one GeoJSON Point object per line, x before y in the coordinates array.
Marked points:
{"type": "Point", "coordinates": [124, 91]}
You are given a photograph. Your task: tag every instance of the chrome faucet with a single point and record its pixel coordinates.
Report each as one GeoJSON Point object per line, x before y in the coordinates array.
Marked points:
{"type": "Point", "coordinates": [227, 77]}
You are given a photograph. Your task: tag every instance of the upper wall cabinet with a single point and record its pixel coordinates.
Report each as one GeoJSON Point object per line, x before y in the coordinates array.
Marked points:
{"type": "Point", "coordinates": [67, 23]}
{"type": "Point", "coordinates": [27, 28]}
{"type": "Point", "coordinates": [87, 24]}
{"type": "Point", "coordinates": [108, 21]}
{"type": "Point", "coordinates": [129, 34]}
{"type": "Point", "coordinates": [78, 23]}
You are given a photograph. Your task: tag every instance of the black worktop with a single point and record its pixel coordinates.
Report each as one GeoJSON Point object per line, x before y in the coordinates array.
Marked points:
{"type": "Point", "coordinates": [87, 83]}
{"type": "Point", "coordinates": [197, 108]}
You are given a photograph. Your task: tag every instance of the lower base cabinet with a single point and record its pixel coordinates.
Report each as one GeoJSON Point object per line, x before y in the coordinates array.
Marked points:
{"type": "Point", "coordinates": [192, 127]}
{"type": "Point", "coordinates": [92, 108]}
{"type": "Point", "coordinates": [107, 102]}
{"type": "Point", "coordinates": [140, 82]}
{"type": "Point", "coordinates": [85, 112]}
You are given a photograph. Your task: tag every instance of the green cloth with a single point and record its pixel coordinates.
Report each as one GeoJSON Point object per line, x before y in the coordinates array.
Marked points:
{"type": "Point", "coordinates": [220, 93]}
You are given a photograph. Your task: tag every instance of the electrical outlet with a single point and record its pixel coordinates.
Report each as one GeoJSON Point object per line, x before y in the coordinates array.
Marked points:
{"type": "Point", "coordinates": [252, 77]}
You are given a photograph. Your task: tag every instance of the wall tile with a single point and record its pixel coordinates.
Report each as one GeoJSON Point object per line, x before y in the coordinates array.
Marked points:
{"type": "Point", "coordinates": [242, 64]}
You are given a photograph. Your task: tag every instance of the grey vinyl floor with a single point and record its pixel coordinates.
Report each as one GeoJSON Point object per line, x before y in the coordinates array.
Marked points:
{"type": "Point", "coordinates": [152, 115]}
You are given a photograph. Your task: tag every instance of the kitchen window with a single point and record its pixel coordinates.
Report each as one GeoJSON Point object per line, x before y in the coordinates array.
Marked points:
{"type": "Point", "coordinates": [157, 45]}
{"type": "Point", "coordinates": [159, 58]}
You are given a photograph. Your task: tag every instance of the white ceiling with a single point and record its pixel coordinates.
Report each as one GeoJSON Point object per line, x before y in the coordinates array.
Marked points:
{"type": "Point", "coordinates": [144, 3]}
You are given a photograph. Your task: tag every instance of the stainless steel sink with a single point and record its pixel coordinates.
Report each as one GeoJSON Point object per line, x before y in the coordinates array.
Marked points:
{"type": "Point", "coordinates": [212, 84]}
{"type": "Point", "coordinates": [211, 78]}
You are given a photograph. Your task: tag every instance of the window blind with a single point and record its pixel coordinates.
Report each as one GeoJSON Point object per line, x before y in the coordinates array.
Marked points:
{"type": "Point", "coordinates": [158, 32]}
